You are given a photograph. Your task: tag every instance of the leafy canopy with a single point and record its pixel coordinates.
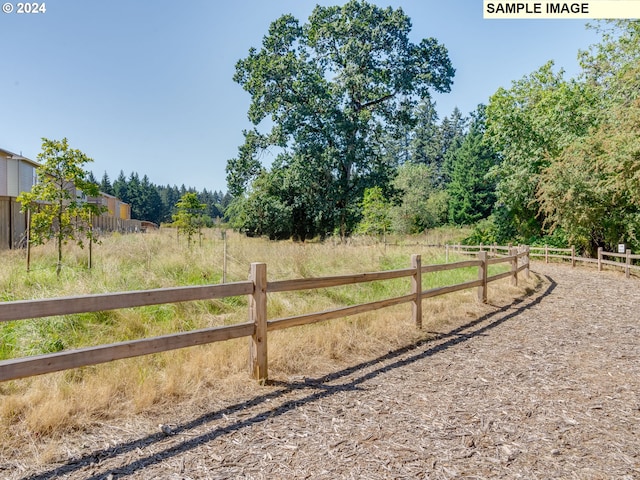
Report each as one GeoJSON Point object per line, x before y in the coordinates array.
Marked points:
{"type": "Point", "coordinates": [421, 205]}
{"type": "Point", "coordinates": [592, 190]}
{"type": "Point", "coordinates": [329, 89]}
{"type": "Point", "coordinates": [530, 124]}
{"type": "Point", "coordinates": [570, 150]}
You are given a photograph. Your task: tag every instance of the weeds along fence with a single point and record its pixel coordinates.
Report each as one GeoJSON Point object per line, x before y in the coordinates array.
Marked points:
{"type": "Point", "coordinates": [568, 254]}
{"type": "Point", "coordinates": [257, 288]}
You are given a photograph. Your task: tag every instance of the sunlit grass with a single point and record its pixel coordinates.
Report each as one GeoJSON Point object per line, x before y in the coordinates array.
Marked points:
{"type": "Point", "coordinates": [54, 403]}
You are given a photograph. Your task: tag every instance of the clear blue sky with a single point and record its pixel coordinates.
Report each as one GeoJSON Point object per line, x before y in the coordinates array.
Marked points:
{"type": "Point", "coordinates": [147, 86]}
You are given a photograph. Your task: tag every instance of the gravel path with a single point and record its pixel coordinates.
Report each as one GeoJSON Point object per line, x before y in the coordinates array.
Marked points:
{"type": "Point", "coordinates": [548, 388]}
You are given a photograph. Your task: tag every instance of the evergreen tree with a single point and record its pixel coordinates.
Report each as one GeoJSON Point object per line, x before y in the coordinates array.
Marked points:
{"type": "Point", "coordinates": [105, 184]}
{"type": "Point", "coordinates": [170, 195]}
{"type": "Point", "coordinates": [120, 187]}
{"type": "Point", "coordinates": [425, 144]}
{"type": "Point", "coordinates": [226, 200]}
{"type": "Point", "coordinates": [452, 133]}
{"type": "Point", "coordinates": [91, 178]}
{"type": "Point", "coordinates": [471, 191]}
{"type": "Point", "coordinates": [134, 197]}
{"type": "Point", "coordinates": [150, 202]}
{"type": "Point", "coordinates": [157, 204]}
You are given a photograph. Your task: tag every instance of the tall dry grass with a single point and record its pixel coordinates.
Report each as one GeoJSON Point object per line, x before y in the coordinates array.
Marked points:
{"type": "Point", "coordinates": [53, 404]}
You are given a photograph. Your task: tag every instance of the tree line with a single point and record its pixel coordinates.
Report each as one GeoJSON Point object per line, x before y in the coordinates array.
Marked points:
{"type": "Point", "coordinates": [570, 149]}
{"type": "Point", "coordinates": [359, 148]}
{"type": "Point", "coordinates": [359, 145]}
{"type": "Point", "coordinates": [157, 203]}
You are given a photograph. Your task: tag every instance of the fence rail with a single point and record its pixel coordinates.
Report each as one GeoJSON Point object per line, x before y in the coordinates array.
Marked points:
{"type": "Point", "coordinates": [559, 253]}
{"type": "Point", "coordinates": [257, 288]}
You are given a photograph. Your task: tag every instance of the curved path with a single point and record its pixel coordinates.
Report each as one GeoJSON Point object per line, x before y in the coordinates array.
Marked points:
{"type": "Point", "coordinates": [548, 388]}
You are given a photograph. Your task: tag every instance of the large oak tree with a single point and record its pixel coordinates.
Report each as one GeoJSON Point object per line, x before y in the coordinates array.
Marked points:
{"type": "Point", "coordinates": [328, 89]}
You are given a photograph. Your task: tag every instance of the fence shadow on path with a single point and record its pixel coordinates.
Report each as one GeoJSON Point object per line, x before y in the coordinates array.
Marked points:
{"type": "Point", "coordinates": [319, 388]}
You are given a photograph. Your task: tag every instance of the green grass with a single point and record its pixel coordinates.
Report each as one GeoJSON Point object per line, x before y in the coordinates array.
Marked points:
{"type": "Point", "coordinates": [137, 262]}
{"type": "Point", "coordinates": [53, 403]}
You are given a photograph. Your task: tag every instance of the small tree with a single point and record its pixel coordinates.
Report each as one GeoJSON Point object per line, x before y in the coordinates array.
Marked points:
{"type": "Point", "coordinates": [375, 213]}
{"type": "Point", "coordinates": [422, 205]}
{"type": "Point", "coordinates": [57, 203]}
{"type": "Point", "coordinates": [189, 217]}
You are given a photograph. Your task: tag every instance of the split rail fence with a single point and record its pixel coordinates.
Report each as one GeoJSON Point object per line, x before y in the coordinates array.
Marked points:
{"type": "Point", "coordinates": [257, 288]}
{"type": "Point", "coordinates": [569, 254]}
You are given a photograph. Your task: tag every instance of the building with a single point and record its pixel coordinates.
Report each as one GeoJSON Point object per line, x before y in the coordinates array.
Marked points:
{"type": "Point", "coordinates": [117, 218]}
{"type": "Point", "coordinates": [17, 175]}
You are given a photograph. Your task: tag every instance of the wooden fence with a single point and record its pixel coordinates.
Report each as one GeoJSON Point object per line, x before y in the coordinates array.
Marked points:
{"type": "Point", "coordinates": [569, 254]}
{"type": "Point", "coordinates": [257, 288]}
{"type": "Point", "coordinates": [111, 223]}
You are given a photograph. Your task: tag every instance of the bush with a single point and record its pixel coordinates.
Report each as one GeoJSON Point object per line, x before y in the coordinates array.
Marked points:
{"type": "Point", "coordinates": [484, 232]}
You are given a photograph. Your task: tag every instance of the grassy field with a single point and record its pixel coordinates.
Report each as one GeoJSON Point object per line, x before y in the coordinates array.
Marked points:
{"type": "Point", "coordinates": [50, 405]}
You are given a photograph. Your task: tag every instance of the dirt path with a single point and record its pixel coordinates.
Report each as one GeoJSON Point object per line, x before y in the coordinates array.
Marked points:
{"type": "Point", "coordinates": [548, 388]}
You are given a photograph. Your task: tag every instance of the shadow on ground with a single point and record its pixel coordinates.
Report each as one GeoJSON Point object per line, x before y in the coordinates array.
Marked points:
{"type": "Point", "coordinates": [318, 388]}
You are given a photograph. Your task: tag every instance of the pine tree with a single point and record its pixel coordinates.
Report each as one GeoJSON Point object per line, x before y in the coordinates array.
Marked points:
{"type": "Point", "coordinates": [425, 144]}
{"type": "Point", "coordinates": [105, 184]}
{"type": "Point", "coordinates": [471, 191]}
{"type": "Point", "coordinates": [120, 187]}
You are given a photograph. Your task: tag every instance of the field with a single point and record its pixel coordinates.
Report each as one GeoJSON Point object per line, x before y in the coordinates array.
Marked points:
{"type": "Point", "coordinates": [50, 405]}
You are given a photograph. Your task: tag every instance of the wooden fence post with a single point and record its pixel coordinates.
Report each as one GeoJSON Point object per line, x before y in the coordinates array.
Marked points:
{"type": "Point", "coordinates": [627, 270]}
{"type": "Point", "coordinates": [224, 256]}
{"type": "Point", "coordinates": [29, 238]}
{"type": "Point", "coordinates": [416, 289]}
{"type": "Point", "coordinates": [258, 315]}
{"type": "Point", "coordinates": [528, 260]}
{"type": "Point", "coordinates": [573, 255]}
{"type": "Point", "coordinates": [514, 266]}
{"type": "Point", "coordinates": [482, 275]}
{"type": "Point", "coordinates": [546, 254]}
{"type": "Point", "coordinates": [599, 259]}
{"type": "Point", "coordinates": [446, 253]}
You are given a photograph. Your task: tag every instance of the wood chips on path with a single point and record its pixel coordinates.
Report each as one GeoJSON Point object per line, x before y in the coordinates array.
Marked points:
{"type": "Point", "coordinates": [547, 388]}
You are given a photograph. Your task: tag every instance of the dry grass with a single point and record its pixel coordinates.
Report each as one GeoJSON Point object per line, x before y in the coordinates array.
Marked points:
{"type": "Point", "coordinates": [51, 405]}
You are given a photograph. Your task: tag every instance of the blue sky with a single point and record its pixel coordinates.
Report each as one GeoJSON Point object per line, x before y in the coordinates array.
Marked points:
{"type": "Point", "coordinates": [147, 86]}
